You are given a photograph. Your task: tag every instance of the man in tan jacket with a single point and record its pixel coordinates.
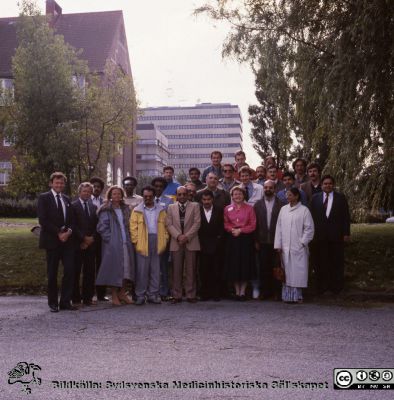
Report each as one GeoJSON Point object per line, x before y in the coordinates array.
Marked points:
{"type": "Point", "coordinates": [183, 222]}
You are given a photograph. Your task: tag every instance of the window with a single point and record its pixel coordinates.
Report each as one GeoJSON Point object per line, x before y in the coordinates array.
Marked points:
{"type": "Point", "coordinates": [206, 156]}
{"type": "Point", "coordinates": [183, 166]}
{"type": "Point", "coordinates": [7, 84]}
{"type": "Point", "coordinates": [119, 177]}
{"type": "Point", "coordinates": [6, 88]}
{"type": "Point", "coordinates": [146, 142]}
{"type": "Point", "coordinates": [119, 148]}
{"type": "Point", "coordinates": [149, 157]}
{"type": "Point", "coordinates": [191, 116]}
{"type": "Point", "coordinates": [79, 81]}
{"type": "Point", "coordinates": [109, 174]}
{"type": "Point", "coordinates": [207, 126]}
{"type": "Point", "coordinates": [148, 172]}
{"type": "Point", "coordinates": [203, 145]}
{"type": "Point", "coordinates": [205, 136]}
{"type": "Point", "coordinates": [6, 142]}
{"type": "Point", "coordinates": [5, 172]}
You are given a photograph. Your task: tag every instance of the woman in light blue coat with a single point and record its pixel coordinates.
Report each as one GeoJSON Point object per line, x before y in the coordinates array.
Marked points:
{"type": "Point", "coordinates": [117, 257]}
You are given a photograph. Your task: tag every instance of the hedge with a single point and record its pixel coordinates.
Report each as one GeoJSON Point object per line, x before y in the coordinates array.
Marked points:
{"type": "Point", "coordinates": [23, 208]}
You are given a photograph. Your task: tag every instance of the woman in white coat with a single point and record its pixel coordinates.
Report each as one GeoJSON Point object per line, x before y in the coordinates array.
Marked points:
{"type": "Point", "coordinates": [294, 230]}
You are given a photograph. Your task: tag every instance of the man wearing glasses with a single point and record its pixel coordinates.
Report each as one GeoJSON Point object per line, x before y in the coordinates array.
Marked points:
{"type": "Point", "coordinates": [228, 181]}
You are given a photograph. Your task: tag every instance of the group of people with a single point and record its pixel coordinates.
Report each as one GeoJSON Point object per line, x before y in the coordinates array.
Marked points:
{"type": "Point", "coordinates": [226, 230]}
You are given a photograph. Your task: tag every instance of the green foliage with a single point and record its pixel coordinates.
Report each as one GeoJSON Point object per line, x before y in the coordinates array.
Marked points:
{"type": "Point", "coordinates": [46, 99]}
{"type": "Point", "coordinates": [324, 80]}
{"type": "Point", "coordinates": [181, 177]}
{"type": "Point", "coordinates": [63, 118]}
{"type": "Point", "coordinates": [107, 114]}
{"type": "Point", "coordinates": [23, 208]}
{"type": "Point", "coordinates": [143, 180]}
{"type": "Point", "coordinates": [27, 177]}
{"type": "Point", "coordinates": [369, 256]}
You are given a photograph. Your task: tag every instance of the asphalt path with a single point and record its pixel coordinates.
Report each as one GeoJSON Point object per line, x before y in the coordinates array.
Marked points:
{"type": "Point", "coordinates": [132, 352]}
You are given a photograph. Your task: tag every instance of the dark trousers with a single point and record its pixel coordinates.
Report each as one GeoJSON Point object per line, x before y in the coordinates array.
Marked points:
{"type": "Point", "coordinates": [164, 272]}
{"type": "Point", "coordinates": [268, 257]}
{"type": "Point", "coordinates": [100, 290]}
{"type": "Point", "coordinates": [65, 254]}
{"type": "Point", "coordinates": [329, 259]}
{"type": "Point", "coordinates": [210, 275]}
{"type": "Point", "coordinates": [85, 263]}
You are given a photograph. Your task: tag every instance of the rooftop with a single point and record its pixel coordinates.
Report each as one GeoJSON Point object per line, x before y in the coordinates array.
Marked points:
{"type": "Point", "coordinates": [93, 32]}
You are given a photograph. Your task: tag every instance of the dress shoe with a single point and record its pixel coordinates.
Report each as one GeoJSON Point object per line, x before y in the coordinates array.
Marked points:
{"type": "Point", "coordinates": [154, 300]}
{"type": "Point", "coordinates": [192, 300]}
{"type": "Point", "coordinates": [242, 297]}
{"type": "Point", "coordinates": [68, 307]}
{"type": "Point", "coordinates": [53, 308]}
{"type": "Point", "coordinates": [88, 303]}
{"type": "Point", "coordinates": [165, 298]}
{"type": "Point", "coordinates": [216, 299]}
{"type": "Point", "coordinates": [140, 301]}
{"type": "Point", "coordinates": [105, 298]}
{"type": "Point", "coordinates": [175, 301]}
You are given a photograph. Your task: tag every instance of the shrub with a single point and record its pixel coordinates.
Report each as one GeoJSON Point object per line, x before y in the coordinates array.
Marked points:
{"type": "Point", "coordinates": [23, 208]}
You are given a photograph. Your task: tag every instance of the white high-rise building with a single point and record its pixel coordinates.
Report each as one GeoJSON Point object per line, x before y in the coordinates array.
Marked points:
{"type": "Point", "coordinates": [151, 150]}
{"type": "Point", "coordinates": [194, 132]}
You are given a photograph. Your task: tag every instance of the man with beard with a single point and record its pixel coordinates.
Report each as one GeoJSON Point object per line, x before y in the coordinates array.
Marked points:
{"type": "Point", "coordinates": [194, 175]}
{"type": "Point", "coordinates": [313, 186]}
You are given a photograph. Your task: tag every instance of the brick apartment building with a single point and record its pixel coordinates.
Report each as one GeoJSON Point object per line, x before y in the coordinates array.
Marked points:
{"type": "Point", "coordinates": [102, 37]}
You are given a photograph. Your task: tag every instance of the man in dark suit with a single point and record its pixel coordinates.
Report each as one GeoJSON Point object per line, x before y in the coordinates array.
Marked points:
{"type": "Point", "coordinates": [56, 219]}
{"type": "Point", "coordinates": [267, 210]}
{"type": "Point", "coordinates": [85, 236]}
{"type": "Point", "coordinates": [97, 199]}
{"type": "Point", "coordinates": [331, 217]}
{"type": "Point", "coordinates": [312, 186]}
{"type": "Point", "coordinates": [221, 198]}
{"type": "Point", "coordinates": [211, 243]}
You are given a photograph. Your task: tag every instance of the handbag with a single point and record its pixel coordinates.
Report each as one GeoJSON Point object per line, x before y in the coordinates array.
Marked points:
{"type": "Point", "coordinates": [279, 272]}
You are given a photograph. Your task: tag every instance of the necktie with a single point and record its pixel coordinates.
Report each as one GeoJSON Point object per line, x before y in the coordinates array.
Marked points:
{"type": "Point", "coordinates": [325, 204]}
{"type": "Point", "coordinates": [246, 193]}
{"type": "Point", "coordinates": [157, 200]}
{"type": "Point", "coordinates": [59, 207]}
{"type": "Point", "coordinates": [85, 208]}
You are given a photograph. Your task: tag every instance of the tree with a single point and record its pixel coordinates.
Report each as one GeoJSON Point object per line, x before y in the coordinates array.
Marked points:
{"type": "Point", "coordinates": [336, 58]}
{"type": "Point", "coordinates": [64, 118]}
{"type": "Point", "coordinates": [45, 109]}
{"type": "Point", "coordinates": [107, 114]}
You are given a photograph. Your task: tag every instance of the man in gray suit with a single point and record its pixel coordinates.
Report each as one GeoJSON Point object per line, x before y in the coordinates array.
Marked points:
{"type": "Point", "coordinates": [267, 211]}
{"type": "Point", "coordinates": [183, 222]}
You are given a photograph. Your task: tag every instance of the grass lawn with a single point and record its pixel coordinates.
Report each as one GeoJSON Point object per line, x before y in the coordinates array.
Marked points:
{"type": "Point", "coordinates": [19, 221]}
{"type": "Point", "coordinates": [369, 258]}
{"type": "Point", "coordinates": [22, 263]}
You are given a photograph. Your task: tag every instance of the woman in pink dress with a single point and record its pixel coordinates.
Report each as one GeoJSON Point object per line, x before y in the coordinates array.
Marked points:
{"type": "Point", "coordinates": [239, 224]}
